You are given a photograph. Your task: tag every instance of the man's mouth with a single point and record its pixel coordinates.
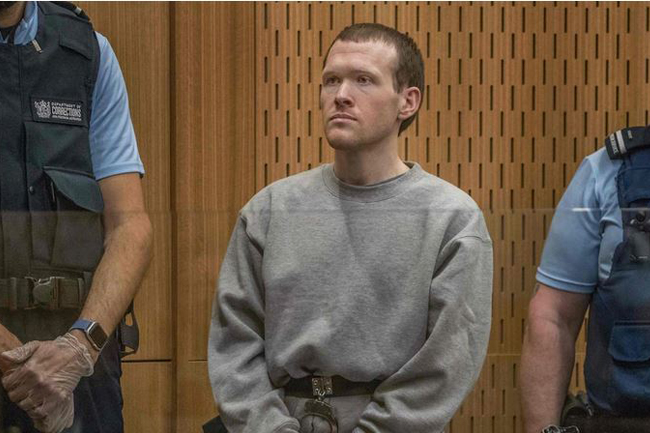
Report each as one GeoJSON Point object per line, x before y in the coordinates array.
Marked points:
{"type": "Point", "coordinates": [342, 116]}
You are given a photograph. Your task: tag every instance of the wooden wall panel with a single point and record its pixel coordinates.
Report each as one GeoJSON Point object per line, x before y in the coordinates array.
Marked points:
{"type": "Point", "coordinates": [143, 53]}
{"type": "Point", "coordinates": [148, 407]}
{"type": "Point", "coordinates": [196, 404]}
{"type": "Point", "coordinates": [214, 143]}
{"type": "Point", "coordinates": [214, 174]}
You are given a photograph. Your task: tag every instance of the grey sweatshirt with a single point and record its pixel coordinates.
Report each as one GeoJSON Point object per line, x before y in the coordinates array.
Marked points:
{"type": "Point", "coordinates": [391, 281]}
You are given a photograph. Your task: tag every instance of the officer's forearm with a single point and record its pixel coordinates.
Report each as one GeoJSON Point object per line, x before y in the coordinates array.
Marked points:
{"type": "Point", "coordinates": [8, 341]}
{"type": "Point", "coordinates": [128, 250]}
{"type": "Point", "coordinates": [546, 364]}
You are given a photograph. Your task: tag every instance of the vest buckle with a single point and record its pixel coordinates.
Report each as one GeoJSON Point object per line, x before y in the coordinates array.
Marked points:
{"type": "Point", "coordinates": [45, 293]}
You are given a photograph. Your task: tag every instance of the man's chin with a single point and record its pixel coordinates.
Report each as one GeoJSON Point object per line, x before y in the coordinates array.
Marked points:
{"type": "Point", "coordinates": [342, 144]}
{"type": "Point", "coordinates": [340, 140]}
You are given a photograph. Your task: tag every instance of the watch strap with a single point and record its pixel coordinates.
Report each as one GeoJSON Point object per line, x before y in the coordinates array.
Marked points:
{"type": "Point", "coordinates": [89, 328]}
{"type": "Point", "coordinates": [82, 324]}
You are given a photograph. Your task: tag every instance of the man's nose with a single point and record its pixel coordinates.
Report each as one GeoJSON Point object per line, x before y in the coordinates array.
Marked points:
{"type": "Point", "coordinates": [343, 96]}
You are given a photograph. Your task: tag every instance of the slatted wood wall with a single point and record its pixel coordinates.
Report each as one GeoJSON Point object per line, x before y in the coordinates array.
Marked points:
{"type": "Point", "coordinates": [225, 100]}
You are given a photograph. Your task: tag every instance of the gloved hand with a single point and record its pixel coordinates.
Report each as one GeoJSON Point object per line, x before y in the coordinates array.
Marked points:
{"type": "Point", "coordinates": [43, 383]}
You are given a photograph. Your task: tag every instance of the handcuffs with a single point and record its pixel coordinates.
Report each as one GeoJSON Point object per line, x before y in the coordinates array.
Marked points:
{"type": "Point", "coordinates": [555, 429]}
{"type": "Point", "coordinates": [318, 407]}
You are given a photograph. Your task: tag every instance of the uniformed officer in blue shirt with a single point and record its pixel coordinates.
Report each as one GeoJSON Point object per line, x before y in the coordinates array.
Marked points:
{"type": "Point", "coordinates": [75, 239]}
{"type": "Point", "coordinates": [597, 255]}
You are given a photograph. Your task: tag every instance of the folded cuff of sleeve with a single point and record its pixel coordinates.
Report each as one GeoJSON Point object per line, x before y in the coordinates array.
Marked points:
{"type": "Point", "coordinates": [564, 284]}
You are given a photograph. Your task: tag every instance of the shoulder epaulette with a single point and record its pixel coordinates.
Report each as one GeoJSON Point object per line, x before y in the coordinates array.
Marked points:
{"type": "Point", "coordinates": [71, 7]}
{"type": "Point", "coordinates": [626, 140]}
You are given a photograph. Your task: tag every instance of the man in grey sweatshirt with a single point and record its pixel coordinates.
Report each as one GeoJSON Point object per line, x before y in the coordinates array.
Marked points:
{"type": "Point", "coordinates": [368, 271]}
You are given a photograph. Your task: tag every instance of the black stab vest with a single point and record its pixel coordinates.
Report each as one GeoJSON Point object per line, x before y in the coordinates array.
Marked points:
{"type": "Point", "coordinates": [50, 202]}
{"type": "Point", "coordinates": [617, 366]}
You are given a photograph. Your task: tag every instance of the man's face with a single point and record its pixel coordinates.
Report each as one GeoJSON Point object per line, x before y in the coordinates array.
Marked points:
{"type": "Point", "coordinates": [358, 99]}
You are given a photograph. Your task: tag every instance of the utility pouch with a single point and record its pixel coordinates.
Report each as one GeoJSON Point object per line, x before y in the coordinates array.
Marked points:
{"type": "Point", "coordinates": [630, 376]}
{"type": "Point", "coordinates": [128, 335]}
{"type": "Point", "coordinates": [78, 230]}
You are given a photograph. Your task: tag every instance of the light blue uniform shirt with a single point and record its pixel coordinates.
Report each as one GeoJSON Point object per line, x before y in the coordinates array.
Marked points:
{"type": "Point", "coordinates": [113, 148]}
{"type": "Point", "coordinates": [586, 229]}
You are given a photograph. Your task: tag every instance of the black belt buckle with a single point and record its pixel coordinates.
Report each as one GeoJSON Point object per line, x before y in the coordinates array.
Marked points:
{"type": "Point", "coordinates": [321, 386]}
{"type": "Point", "coordinates": [45, 293]}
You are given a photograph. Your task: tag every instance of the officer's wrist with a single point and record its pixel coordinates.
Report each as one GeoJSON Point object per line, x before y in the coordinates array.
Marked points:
{"type": "Point", "coordinates": [83, 339]}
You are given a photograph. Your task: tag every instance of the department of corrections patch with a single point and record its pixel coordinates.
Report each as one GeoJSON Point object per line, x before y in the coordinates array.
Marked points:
{"type": "Point", "coordinates": [58, 111]}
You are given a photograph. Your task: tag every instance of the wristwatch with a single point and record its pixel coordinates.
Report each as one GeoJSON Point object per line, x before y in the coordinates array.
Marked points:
{"type": "Point", "coordinates": [555, 429]}
{"type": "Point", "coordinates": [94, 332]}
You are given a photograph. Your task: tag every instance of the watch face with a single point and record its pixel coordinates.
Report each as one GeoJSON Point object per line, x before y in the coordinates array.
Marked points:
{"type": "Point", "coordinates": [97, 334]}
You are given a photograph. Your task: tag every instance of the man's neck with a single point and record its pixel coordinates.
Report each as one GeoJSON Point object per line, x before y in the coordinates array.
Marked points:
{"type": "Point", "coordinates": [11, 16]}
{"type": "Point", "coordinates": [368, 167]}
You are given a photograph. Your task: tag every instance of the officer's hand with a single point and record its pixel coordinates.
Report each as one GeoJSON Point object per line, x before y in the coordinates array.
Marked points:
{"type": "Point", "coordinates": [8, 341]}
{"type": "Point", "coordinates": [58, 420]}
{"type": "Point", "coordinates": [43, 384]}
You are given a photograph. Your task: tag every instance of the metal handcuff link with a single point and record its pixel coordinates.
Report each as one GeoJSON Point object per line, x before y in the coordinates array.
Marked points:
{"type": "Point", "coordinates": [318, 407]}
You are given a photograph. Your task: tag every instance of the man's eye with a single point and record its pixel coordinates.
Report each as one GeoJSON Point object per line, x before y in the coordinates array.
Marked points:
{"type": "Point", "coordinates": [330, 81]}
{"type": "Point", "coordinates": [364, 80]}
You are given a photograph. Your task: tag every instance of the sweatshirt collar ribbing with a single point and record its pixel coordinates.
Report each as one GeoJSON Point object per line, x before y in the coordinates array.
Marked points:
{"type": "Point", "coordinates": [371, 193]}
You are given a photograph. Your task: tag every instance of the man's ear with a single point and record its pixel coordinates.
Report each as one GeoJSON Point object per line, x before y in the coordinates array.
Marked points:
{"type": "Point", "coordinates": [410, 99]}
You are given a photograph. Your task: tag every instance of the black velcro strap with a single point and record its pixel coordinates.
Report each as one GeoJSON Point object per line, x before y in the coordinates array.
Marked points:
{"type": "Point", "coordinates": [626, 140]}
{"type": "Point", "coordinates": [27, 293]}
{"type": "Point", "coordinates": [72, 293]}
{"type": "Point", "coordinates": [341, 387]}
{"type": "Point", "coordinates": [15, 293]}
{"type": "Point", "coordinates": [128, 335]}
